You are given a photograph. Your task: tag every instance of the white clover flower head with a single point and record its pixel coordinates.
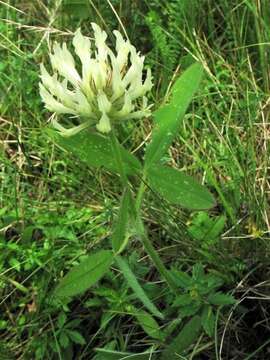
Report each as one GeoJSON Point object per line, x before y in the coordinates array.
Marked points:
{"type": "Point", "coordinates": [109, 88]}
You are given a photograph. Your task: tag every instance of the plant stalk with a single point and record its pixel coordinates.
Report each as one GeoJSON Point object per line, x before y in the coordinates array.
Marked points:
{"type": "Point", "coordinates": [136, 207]}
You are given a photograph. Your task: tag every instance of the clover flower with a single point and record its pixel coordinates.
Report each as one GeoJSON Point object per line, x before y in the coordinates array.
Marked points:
{"type": "Point", "coordinates": [109, 88]}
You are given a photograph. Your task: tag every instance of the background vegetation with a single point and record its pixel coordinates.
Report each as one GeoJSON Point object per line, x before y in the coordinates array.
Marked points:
{"type": "Point", "coordinates": [54, 210]}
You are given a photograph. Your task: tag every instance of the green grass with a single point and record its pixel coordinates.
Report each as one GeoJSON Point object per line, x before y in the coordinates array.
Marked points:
{"type": "Point", "coordinates": [54, 210]}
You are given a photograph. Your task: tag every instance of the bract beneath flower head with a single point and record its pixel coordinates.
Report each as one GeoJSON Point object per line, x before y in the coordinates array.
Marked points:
{"type": "Point", "coordinates": [108, 87]}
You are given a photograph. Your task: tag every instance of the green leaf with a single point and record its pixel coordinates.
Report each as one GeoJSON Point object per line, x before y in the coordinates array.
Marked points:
{"type": "Point", "coordinates": [149, 325]}
{"type": "Point", "coordinates": [106, 354]}
{"type": "Point", "coordinates": [214, 281]}
{"type": "Point", "coordinates": [27, 234]}
{"type": "Point", "coordinates": [95, 150]}
{"type": "Point", "coordinates": [190, 310]}
{"type": "Point", "coordinates": [182, 300]}
{"type": "Point", "coordinates": [84, 275]}
{"type": "Point", "coordinates": [120, 235]}
{"type": "Point", "coordinates": [208, 320]}
{"type": "Point", "coordinates": [219, 298]}
{"type": "Point", "coordinates": [198, 272]}
{"type": "Point", "coordinates": [61, 320]}
{"type": "Point", "coordinates": [183, 340]}
{"type": "Point", "coordinates": [217, 227]}
{"type": "Point", "coordinates": [172, 326]}
{"type": "Point", "coordinates": [181, 278]}
{"type": "Point", "coordinates": [76, 337]}
{"type": "Point", "coordinates": [205, 228]}
{"type": "Point", "coordinates": [169, 117]}
{"type": "Point", "coordinates": [63, 340]}
{"type": "Point", "coordinates": [178, 188]}
{"type": "Point", "coordinates": [136, 287]}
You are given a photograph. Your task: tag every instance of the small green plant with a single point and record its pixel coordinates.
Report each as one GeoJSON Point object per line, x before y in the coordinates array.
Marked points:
{"type": "Point", "coordinates": [61, 339]}
{"type": "Point", "coordinates": [99, 150]}
{"type": "Point", "coordinates": [65, 332]}
{"type": "Point", "coordinates": [206, 230]}
{"type": "Point", "coordinates": [108, 93]}
{"type": "Point", "coordinates": [200, 296]}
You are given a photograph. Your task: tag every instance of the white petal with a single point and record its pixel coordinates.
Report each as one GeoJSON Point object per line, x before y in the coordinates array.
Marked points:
{"type": "Point", "coordinates": [138, 114]}
{"type": "Point", "coordinates": [134, 73]}
{"type": "Point", "coordinates": [116, 80]}
{"type": "Point", "coordinates": [136, 89]}
{"type": "Point", "coordinates": [144, 104]}
{"type": "Point", "coordinates": [126, 109]}
{"type": "Point", "coordinates": [52, 104]}
{"type": "Point", "coordinates": [82, 46]}
{"type": "Point", "coordinates": [104, 104]}
{"type": "Point", "coordinates": [104, 125]}
{"type": "Point", "coordinates": [63, 62]}
{"type": "Point", "coordinates": [56, 88]}
{"type": "Point", "coordinates": [100, 40]}
{"type": "Point", "coordinates": [65, 95]}
{"type": "Point", "coordinates": [68, 132]}
{"type": "Point", "coordinates": [120, 42]}
{"type": "Point", "coordinates": [83, 106]}
{"type": "Point", "coordinates": [122, 48]}
{"type": "Point", "coordinates": [147, 85]}
{"type": "Point", "coordinates": [46, 78]}
{"type": "Point", "coordinates": [99, 74]}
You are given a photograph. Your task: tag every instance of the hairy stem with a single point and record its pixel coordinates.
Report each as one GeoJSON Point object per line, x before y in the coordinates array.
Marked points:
{"type": "Point", "coordinates": [136, 208]}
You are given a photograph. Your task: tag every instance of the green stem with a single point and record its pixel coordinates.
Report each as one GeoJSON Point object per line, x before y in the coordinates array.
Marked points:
{"type": "Point", "coordinates": [118, 158]}
{"type": "Point", "coordinates": [146, 241]}
{"type": "Point", "coordinates": [153, 254]}
{"type": "Point", "coordinates": [139, 198]}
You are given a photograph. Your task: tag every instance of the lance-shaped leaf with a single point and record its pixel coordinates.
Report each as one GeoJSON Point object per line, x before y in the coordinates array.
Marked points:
{"type": "Point", "coordinates": [81, 277]}
{"type": "Point", "coordinates": [179, 188]}
{"type": "Point", "coordinates": [208, 320]}
{"type": "Point", "coordinates": [149, 325]}
{"type": "Point", "coordinates": [169, 117]}
{"type": "Point", "coordinates": [221, 299]}
{"type": "Point", "coordinates": [95, 150]}
{"type": "Point", "coordinates": [183, 340]}
{"type": "Point", "coordinates": [120, 233]}
{"type": "Point", "coordinates": [136, 287]}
